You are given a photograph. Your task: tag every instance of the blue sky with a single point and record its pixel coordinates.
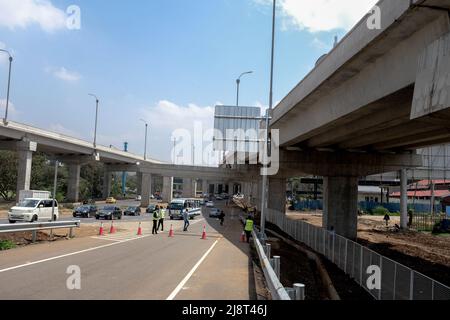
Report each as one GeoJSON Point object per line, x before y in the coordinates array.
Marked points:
{"type": "Point", "coordinates": [167, 61]}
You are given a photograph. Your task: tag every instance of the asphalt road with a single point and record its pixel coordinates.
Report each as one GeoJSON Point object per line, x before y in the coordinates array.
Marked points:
{"type": "Point", "coordinates": [124, 266]}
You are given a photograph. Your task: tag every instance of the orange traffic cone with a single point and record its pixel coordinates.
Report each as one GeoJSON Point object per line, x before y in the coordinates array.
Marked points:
{"type": "Point", "coordinates": [139, 233]}
{"type": "Point", "coordinates": [101, 232]}
{"type": "Point", "coordinates": [112, 229]}
{"type": "Point", "coordinates": [243, 238]}
{"type": "Point", "coordinates": [171, 231]}
{"type": "Point", "coordinates": [204, 233]}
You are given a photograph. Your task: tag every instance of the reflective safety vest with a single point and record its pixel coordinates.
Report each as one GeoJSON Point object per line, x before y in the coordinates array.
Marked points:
{"type": "Point", "coordinates": [155, 216]}
{"type": "Point", "coordinates": [162, 213]}
{"type": "Point", "coordinates": [249, 225]}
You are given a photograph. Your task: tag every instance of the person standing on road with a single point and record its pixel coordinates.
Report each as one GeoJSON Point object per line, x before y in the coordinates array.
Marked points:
{"type": "Point", "coordinates": [186, 220]}
{"type": "Point", "coordinates": [155, 220]}
{"type": "Point", "coordinates": [162, 217]}
{"type": "Point", "coordinates": [248, 227]}
{"type": "Point", "coordinates": [222, 217]}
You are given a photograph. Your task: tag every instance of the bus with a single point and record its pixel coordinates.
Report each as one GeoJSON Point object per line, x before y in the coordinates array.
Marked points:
{"type": "Point", "coordinates": [177, 206]}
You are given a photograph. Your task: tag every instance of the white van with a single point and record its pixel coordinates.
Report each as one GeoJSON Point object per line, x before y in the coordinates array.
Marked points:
{"type": "Point", "coordinates": [33, 210]}
{"type": "Point", "coordinates": [177, 206]}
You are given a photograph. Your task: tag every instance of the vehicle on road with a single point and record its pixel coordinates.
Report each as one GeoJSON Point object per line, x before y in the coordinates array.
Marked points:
{"type": "Point", "coordinates": [33, 210]}
{"type": "Point", "coordinates": [33, 194]}
{"type": "Point", "coordinates": [109, 213]}
{"type": "Point", "coordinates": [214, 213]}
{"type": "Point", "coordinates": [210, 204]}
{"type": "Point", "coordinates": [151, 208]}
{"type": "Point", "coordinates": [132, 211]}
{"type": "Point", "coordinates": [202, 202]}
{"type": "Point", "coordinates": [177, 206]}
{"type": "Point", "coordinates": [85, 211]}
{"type": "Point", "coordinates": [138, 198]}
{"type": "Point", "coordinates": [111, 200]}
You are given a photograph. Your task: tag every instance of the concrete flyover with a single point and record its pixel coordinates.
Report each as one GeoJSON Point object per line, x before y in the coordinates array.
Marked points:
{"type": "Point", "coordinates": [74, 153]}
{"type": "Point", "coordinates": [367, 106]}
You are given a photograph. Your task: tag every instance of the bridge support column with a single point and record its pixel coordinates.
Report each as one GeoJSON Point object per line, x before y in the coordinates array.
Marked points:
{"type": "Point", "coordinates": [187, 188]}
{"type": "Point", "coordinates": [403, 199]}
{"type": "Point", "coordinates": [276, 201]}
{"type": "Point", "coordinates": [205, 186]}
{"type": "Point", "coordinates": [167, 192]}
{"type": "Point", "coordinates": [340, 207]}
{"type": "Point", "coordinates": [231, 188]}
{"type": "Point", "coordinates": [139, 183]}
{"type": "Point", "coordinates": [107, 179]}
{"type": "Point", "coordinates": [146, 189]}
{"type": "Point", "coordinates": [194, 188]}
{"type": "Point", "coordinates": [73, 186]}
{"type": "Point", "coordinates": [25, 151]}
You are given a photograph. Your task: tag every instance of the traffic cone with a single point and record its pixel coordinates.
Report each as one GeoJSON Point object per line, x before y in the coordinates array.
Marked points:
{"type": "Point", "coordinates": [101, 232]}
{"type": "Point", "coordinates": [204, 233]}
{"type": "Point", "coordinates": [112, 229]}
{"type": "Point", "coordinates": [243, 238]}
{"type": "Point", "coordinates": [171, 231]}
{"type": "Point", "coordinates": [139, 233]}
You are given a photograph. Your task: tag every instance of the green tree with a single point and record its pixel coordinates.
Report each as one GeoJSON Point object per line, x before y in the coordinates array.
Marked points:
{"type": "Point", "coordinates": [8, 174]}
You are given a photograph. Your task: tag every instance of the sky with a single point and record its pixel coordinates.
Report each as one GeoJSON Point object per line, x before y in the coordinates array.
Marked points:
{"type": "Point", "coordinates": [168, 62]}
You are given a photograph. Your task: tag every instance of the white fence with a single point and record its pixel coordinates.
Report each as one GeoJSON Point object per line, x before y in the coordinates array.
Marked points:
{"type": "Point", "coordinates": [398, 282]}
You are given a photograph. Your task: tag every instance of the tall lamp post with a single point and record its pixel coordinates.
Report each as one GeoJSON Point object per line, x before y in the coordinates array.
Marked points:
{"type": "Point", "coordinates": [96, 120]}
{"type": "Point", "coordinates": [238, 82]}
{"type": "Point", "coordinates": [268, 114]}
{"type": "Point", "coordinates": [146, 132]}
{"type": "Point", "coordinates": [5, 120]}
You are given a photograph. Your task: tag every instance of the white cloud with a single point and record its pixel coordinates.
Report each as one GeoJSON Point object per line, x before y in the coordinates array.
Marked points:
{"type": "Point", "coordinates": [64, 74]}
{"type": "Point", "coordinates": [322, 15]}
{"type": "Point", "coordinates": [22, 13]}
{"type": "Point", "coordinates": [321, 45]}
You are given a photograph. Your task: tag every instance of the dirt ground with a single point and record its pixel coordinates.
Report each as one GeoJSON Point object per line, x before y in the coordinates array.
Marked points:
{"type": "Point", "coordinates": [423, 252]}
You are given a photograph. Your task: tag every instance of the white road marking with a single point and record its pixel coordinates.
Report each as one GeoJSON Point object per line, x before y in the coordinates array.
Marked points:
{"type": "Point", "coordinates": [189, 275]}
{"type": "Point", "coordinates": [69, 254]}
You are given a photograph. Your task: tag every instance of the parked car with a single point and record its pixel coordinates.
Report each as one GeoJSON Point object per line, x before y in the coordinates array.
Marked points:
{"type": "Point", "coordinates": [111, 200]}
{"type": "Point", "coordinates": [85, 211]}
{"type": "Point", "coordinates": [138, 198]}
{"type": "Point", "coordinates": [33, 210]}
{"type": "Point", "coordinates": [109, 213]}
{"type": "Point", "coordinates": [151, 208]}
{"type": "Point", "coordinates": [210, 204]}
{"type": "Point", "coordinates": [132, 211]}
{"type": "Point", "coordinates": [214, 213]}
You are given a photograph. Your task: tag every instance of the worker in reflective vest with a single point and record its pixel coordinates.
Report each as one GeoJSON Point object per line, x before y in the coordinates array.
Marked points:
{"type": "Point", "coordinates": [162, 217]}
{"type": "Point", "coordinates": [155, 217]}
{"type": "Point", "coordinates": [248, 227]}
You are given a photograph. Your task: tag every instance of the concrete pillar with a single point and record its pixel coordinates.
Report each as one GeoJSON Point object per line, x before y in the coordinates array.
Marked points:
{"type": "Point", "coordinates": [167, 192]}
{"type": "Point", "coordinates": [139, 183]}
{"type": "Point", "coordinates": [231, 188]}
{"type": "Point", "coordinates": [205, 186]}
{"type": "Point", "coordinates": [403, 199]}
{"type": "Point", "coordinates": [73, 187]}
{"type": "Point", "coordinates": [340, 212]}
{"type": "Point", "coordinates": [187, 188]}
{"type": "Point", "coordinates": [194, 188]}
{"type": "Point", "coordinates": [25, 151]}
{"type": "Point", "coordinates": [146, 189]}
{"type": "Point", "coordinates": [276, 201]}
{"type": "Point", "coordinates": [107, 179]}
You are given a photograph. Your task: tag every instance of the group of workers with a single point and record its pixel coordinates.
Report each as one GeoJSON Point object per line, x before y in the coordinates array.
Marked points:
{"type": "Point", "coordinates": [159, 215]}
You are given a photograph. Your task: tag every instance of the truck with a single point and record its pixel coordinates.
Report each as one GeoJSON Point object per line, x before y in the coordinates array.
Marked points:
{"type": "Point", "coordinates": [33, 194]}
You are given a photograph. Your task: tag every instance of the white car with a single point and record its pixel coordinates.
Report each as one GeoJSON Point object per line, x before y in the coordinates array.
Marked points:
{"type": "Point", "coordinates": [138, 198]}
{"type": "Point", "coordinates": [33, 210]}
{"type": "Point", "coordinates": [210, 204]}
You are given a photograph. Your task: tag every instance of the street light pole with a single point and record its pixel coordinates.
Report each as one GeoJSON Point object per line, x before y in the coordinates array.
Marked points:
{"type": "Point", "coordinates": [96, 119]}
{"type": "Point", "coordinates": [5, 120]}
{"type": "Point", "coordinates": [146, 132]}
{"type": "Point", "coordinates": [238, 82]}
{"type": "Point", "coordinates": [268, 113]}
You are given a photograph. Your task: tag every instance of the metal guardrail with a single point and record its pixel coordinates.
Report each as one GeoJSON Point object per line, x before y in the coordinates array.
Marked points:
{"type": "Point", "coordinates": [398, 282]}
{"type": "Point", "coordinates": [39, 226]}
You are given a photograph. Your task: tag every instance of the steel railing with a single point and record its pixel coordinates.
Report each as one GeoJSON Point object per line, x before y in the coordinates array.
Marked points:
{"type": "Point", "coordinates": [398, 282]}
{"type": "Point", "coordinates": [40, 226]}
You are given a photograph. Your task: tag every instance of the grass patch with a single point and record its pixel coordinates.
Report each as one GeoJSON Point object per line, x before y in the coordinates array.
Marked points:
{"type": "Point", "coordinates": [7, 245]}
